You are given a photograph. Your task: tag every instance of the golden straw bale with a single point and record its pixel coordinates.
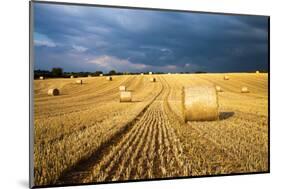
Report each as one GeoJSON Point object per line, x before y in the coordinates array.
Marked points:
{"type": "Point", "coordinates": [141, 73]}
{"type": "Point", "coordinates": [101, 75]}
{"type": "Point", "coordinates": [219, 89]}
{"type": "Point", "coordinates": [226, 77]}
{"type": "Point", "coordinates": [109, 78]}
{"type": "Point", "coordinates": [122, 88]}
{"type": "Point", "coordinates": [150, 73]}
{"type": "Point", "coordinates": [72, 77]}
{"type": "Point", "coordinates": [153, 79]}
{"type": "Point", "coordinates": [79, 81]}
{"type": "Point", "coordinates": [41, 78]}
{"type": "Point", "coordinates": [53, 92]}
{"type": "Point", "coordinates": [125, 96]}
{"type": "Point", "coordinates": [257, 72]}
{"type": "Point", "coordinates": [89, 76]}
{"type": "Point", "coordinates": [245, 90]}
{"type": "Point", "coordinates": [200, 103]}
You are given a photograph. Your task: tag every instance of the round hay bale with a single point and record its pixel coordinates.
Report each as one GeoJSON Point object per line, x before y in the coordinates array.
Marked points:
{"type": "Point", "coordinates": [245, 90]}
{"type": "Point", "coordinates": [153, 79]}
{"type": "Point", "coordinates": [41, 78]}
{"type": "Point", "coordinates": [89, 76]}
{"type": "Point", "coordinates": [257, 72]}
{"type": "Point", "coordinates": [122, 88]}
{"type": "Point", "coordinates": [53, 92]}
{"type": "Point", "coordinates": [71, 77]}
{"type": "Point", "coordinates": [219, 89]}
{"type": "Point", "coordinates": [125, 96]}
{"type": "Point", "coordinates": [101, 75]}
{"type": "Point", "coordinates": [150, 73]}
{"type": "Point", "coordinates": [109, 78]}
{"type": "Point", "coordinates": [79, 81]}
{"type": "Point", "coordinates": [226, 77]}
{"type": "Point", "coordinates": [141, 73]}
{"type": "Point", "coordinates": [200, 103]}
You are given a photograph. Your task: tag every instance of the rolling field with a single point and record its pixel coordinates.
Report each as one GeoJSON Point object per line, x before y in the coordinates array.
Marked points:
{"type": "Point", "coordinates": [86, 135]}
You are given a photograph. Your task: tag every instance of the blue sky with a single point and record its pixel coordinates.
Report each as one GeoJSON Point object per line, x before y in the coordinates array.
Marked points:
{"type": "Point", "coordinates": [83, 38]}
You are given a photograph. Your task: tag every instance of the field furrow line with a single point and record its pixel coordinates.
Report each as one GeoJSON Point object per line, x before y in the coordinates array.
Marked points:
{"type": "Point", "coordinates": [92, 102]}
{"type": "Point", "coordinates": [142, 161]}
{"type": "Point", "coordinates": [125, 149]}
{"type": "Point", "coordinates": [148, 163]}
{"type": "Point", "coordinates": [174, 141]}
{"type": "Point", "coordinates": [83, 96]}
{"type": "Point", "coordinates": [97, 155]}
{"type": "Point", "coordinates": [79, 126]}
{"type": "Point", "coordinates": [176, 151]}
{"type": "Point", "coordinates": [130, 164]}
{"type": "Point", "coordinates": [235, 87]}
{"type": "Point", "coordinates": [180, 125]}
{"type": "Point", "coordinates": [78, 91]}
{"type": "Point", "coordinates": [138, 170]}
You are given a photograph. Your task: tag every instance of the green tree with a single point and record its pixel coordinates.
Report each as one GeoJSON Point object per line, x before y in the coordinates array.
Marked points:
{"type": "Point", "coordinates": [112, 72]}
{"type": "Point", "coordinates": [57, 72]}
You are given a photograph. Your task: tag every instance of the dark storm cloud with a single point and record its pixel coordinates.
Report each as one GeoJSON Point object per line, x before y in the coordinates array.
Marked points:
{"type": "Point", "coordinates": [91, 38]}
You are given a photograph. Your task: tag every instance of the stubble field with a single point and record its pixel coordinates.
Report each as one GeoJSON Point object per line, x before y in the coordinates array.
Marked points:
{"type": "Point", "coordinates": [86, 135]}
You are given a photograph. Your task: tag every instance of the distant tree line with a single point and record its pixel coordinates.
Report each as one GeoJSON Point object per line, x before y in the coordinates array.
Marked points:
{"type": "Point", "coordinates": [59, 73]}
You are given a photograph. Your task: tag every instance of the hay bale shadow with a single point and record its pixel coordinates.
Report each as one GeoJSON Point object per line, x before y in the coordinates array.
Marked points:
{"type": "Point", "coordinates": [133, 101]}
{"type": "Point", "coordinates": [225, 115]}
{"type": "Point", "coordinates": [78, 84]}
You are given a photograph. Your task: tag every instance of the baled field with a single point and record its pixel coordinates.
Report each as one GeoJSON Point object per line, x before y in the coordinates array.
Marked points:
{"type": "Point", "coordinates": [86, 135]}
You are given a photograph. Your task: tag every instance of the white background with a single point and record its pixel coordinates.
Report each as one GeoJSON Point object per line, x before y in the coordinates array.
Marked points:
{"type": "Point", "coordinates": [14, 91]}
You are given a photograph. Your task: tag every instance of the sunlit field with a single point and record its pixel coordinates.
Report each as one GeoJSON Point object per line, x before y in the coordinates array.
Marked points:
{"type": "Point", "coordinates": [87, 135]}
